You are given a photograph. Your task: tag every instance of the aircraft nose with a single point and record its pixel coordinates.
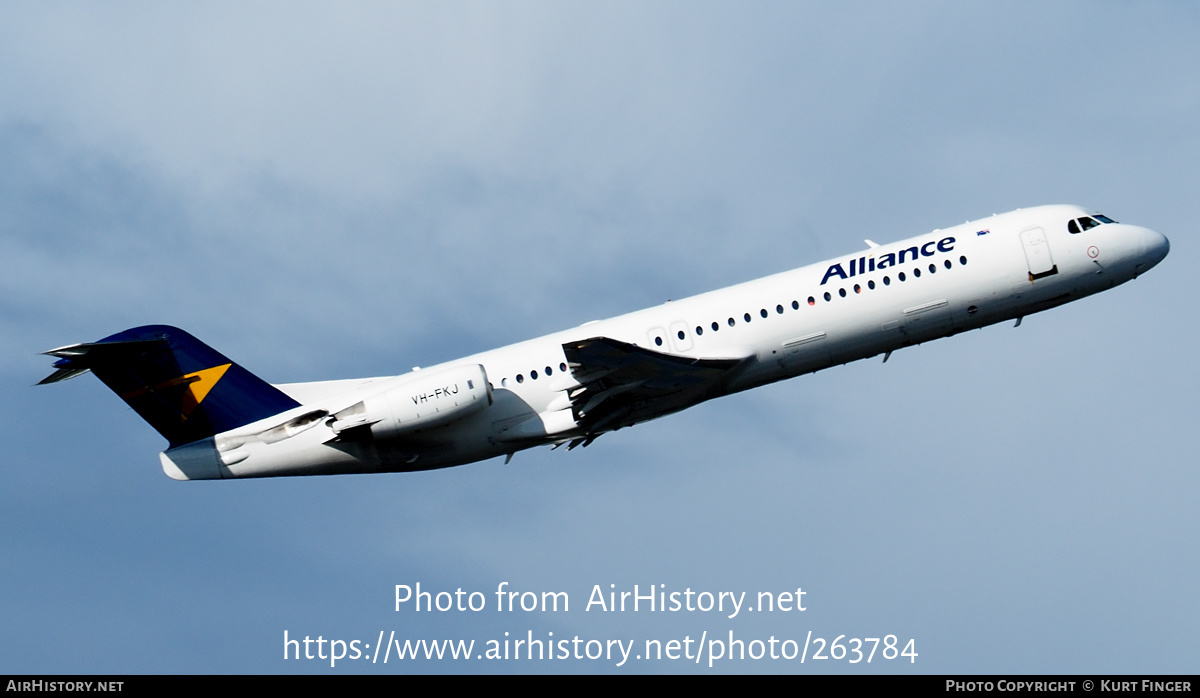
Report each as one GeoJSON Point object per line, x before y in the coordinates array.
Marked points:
{"type": "Point", "coordinates": [1155, 247]}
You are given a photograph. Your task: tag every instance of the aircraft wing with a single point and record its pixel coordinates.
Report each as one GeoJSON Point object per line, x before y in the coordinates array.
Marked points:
{"type": "Point", "coordinates": [619, 380]}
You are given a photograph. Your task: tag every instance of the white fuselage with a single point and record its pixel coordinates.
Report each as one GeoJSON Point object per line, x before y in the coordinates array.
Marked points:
{"type": "Point", "coordinates": [852, 307]}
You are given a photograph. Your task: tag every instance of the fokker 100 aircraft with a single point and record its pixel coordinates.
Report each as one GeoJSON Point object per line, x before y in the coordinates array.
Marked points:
{"type": "Point", "coordinates": [221, 421]}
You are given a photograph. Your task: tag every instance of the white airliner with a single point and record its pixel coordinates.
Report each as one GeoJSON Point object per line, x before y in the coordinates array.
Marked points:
{"type": "Point", "coordinates": [221, 421]}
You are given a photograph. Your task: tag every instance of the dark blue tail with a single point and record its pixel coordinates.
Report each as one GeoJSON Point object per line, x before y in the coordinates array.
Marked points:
{"type": "Point", "coordinates": [181, 386]}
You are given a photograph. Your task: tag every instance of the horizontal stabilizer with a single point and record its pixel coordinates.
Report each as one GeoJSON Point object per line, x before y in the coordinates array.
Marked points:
{"type": "Point", "coordinates": [80, 357]}
{"type": "Point", "coordinates": [63, 374]}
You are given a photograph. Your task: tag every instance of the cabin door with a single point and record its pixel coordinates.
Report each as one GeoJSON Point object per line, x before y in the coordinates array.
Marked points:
{"type": "Point", "coordinates": [1037, 254]}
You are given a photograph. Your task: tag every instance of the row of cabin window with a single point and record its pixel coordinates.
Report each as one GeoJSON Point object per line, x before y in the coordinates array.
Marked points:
{"type": "Point", "coordinates": [533, 375]}
{"type": "Point", "coordinates": [887, 281]}
{"type": "Point", "coordinates": [716, 325]}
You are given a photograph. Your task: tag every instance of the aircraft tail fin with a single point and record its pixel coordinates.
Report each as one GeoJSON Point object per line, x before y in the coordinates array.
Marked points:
{"type": "Point", "coordinates": [185, 389]}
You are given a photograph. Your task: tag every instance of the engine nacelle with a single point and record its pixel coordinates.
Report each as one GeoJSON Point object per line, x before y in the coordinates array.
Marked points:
{"type": "Point", "coordinates": [420, 401]}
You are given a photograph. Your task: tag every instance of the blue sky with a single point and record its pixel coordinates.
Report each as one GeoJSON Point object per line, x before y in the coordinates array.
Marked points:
{"type": "Point", "coordinates": [327, 191]}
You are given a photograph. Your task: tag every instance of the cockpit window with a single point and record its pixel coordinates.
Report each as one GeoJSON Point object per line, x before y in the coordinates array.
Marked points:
{"type": "Point", "coordinates": [1081, 224]}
